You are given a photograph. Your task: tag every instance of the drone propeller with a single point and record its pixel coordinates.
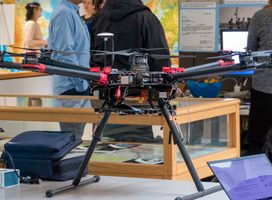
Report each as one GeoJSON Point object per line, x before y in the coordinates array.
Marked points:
{"type": "Point", "coordinates": [110, 53]}
{"type": "Point", "coordinates": [158, 56]}
{"type": "Point", "coordinates": [49, 51]}
{"type": "Point", "coordinates": [252, 54]}
{"type": "Point", "coordinates": [221, 57]}
{"type": "Point", "coordinates": [24, 54]}
{"type": "Point", "coordinates": [144, 49]}
{"type": "Point", "coordinates": [10, 54]}
{"type": "Point", "coordinates": [261, 53]}
{"type": "Point", "coordinates": [127, 52]}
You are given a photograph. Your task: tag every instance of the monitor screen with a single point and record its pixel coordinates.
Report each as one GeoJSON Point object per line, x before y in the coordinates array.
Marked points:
{"type": "Point", "coordinates": [235, 40]}
{"type": "Point", "coordinates": [245, 178]}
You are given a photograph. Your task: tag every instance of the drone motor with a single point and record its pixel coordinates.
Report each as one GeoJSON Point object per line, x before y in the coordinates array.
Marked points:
{"type": "Point", "coordinates": [139, 62]}
{"type": "Point", "coordinates": [31, 58]}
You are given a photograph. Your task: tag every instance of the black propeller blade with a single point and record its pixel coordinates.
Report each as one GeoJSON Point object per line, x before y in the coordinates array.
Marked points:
{"type": "Point", "coordinates": [110, 53]}
{"type": "Point", "coordinates": [252, 54]}
{"type": "Point", "coordinates": [49, 51]}
{"type": "Point", "coordinates": [223, 56]}
{"type": "Point", "coordinates": [158, 56]}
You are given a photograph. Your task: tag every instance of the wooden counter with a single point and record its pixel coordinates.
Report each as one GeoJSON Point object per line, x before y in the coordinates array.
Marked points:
{"type": "Point", "coordinates": [23, 74]}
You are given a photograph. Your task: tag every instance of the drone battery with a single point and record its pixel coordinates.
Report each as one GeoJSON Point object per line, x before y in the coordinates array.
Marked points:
{"type": "Point", "coordinates": [8, 177]}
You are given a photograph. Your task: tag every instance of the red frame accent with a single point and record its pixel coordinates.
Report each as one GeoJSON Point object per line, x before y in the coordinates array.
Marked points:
{"type": "Point", "coordinates": [103, 79]}
{"type": "Point", "coordinates": [41, 67]}
{"type": "Point", "coordinates": [168, 70]}
{"type": "Point", "coordinates": [179, 70]}
{"type": "Point", "coordinates": [223, 63]}
{"type": "Point", "coordinates": [95, 69]}
{"type": "Point", "coordinates": [107, 70]}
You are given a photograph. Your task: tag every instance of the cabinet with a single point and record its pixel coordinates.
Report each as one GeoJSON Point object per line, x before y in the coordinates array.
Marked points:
{"type": "Point", "coordinates": [214, 135]}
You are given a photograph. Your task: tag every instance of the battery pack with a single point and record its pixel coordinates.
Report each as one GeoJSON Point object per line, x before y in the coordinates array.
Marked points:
{"type": "Point", "coordinates": [9, 178]}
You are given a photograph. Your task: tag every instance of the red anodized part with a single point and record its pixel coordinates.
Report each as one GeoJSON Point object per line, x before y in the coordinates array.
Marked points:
{"type": "Point", "coordinates": [223, 63]}
{"type": "Point", "coordinates": [95, 69]}
{"type": "Point", "coordinates": [41, 67]}
{"type": "Point", "coordinates": [179, 70]}
{"type": "Point", "coordinates": [167, 70]}
{"type": "Point", "coordinates": [103, 79]}
{"type": "Point", "coordinates": [107, 70]}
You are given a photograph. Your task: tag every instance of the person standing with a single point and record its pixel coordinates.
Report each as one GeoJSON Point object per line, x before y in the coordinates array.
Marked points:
{"type": "Point", "coordinates": [67, 32]}
{"type": "Point", "coordinates": [260, 120]}
{"type": "Point", "coordinates": [33, 37]}
{"type": "Point", "coordinates": [133, 25]}
{"type": "Point", "coordinates": [98, 4]}
{"type": "Point", "coordinates": [89, 8]}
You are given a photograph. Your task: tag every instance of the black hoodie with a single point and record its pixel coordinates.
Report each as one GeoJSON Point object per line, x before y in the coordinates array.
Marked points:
{"type": "Point", "coordinates": [133, 26]}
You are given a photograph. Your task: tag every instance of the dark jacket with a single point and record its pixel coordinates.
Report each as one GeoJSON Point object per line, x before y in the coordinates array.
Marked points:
{"type": "Point", "coordinates": [133, 26]}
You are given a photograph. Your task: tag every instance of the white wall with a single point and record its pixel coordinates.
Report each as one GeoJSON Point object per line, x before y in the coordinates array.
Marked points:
{"type": "Point", "coordinates": [81, 9]}
{"type": "Point", "coordinates": [33, 86]}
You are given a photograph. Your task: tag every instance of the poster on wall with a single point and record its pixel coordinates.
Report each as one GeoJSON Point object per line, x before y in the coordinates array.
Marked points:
{"type": "Point", "coordinates": [201, 23]}
{"type": "Point", "coordinates": [245, 1]}
{"type": "Point", "coordinates": [197, 30]}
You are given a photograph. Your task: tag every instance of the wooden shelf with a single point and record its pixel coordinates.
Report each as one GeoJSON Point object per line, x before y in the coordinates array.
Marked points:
{"type": "Point", "coordinates": [24, 74]}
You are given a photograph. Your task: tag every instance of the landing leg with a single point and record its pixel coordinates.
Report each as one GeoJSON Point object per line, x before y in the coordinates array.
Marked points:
{"type": "Point", "coordinates": [76, 183]}
{"type": "Point", "coordinates": [165, 106]}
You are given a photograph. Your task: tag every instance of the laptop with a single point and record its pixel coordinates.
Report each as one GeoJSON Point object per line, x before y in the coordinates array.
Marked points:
{"type": "Point", "coordinates": [245, 178]}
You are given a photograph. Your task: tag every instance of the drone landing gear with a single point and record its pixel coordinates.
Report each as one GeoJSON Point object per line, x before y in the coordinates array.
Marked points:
{"type": "Point", "coordinates": [165, 108]}
{"type": "Point", "coordinates": [76, 183]}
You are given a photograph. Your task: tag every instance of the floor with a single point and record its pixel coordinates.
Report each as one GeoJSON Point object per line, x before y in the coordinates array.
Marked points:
{"type": "Point", "coordinates": [119, 188]}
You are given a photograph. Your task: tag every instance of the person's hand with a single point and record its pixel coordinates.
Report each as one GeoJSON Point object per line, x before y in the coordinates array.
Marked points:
{"type": "Point", "coordinates": [44, 42]}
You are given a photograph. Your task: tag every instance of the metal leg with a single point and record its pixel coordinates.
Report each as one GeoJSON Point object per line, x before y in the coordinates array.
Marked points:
{"type": "Point", "coordinates": [168, 117]}
{"type": "Point", "coordinates": [76, 183]}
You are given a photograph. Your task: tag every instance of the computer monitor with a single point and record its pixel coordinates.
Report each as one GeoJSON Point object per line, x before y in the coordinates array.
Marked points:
{"type": "Point", "coordinates": [235, 40]}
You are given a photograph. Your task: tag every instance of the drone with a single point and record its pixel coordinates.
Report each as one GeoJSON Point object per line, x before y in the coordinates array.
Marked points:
{"type": "Point", "coordinates": [138, 57]}
{"type": "Point", "coordinates": [156, 87]}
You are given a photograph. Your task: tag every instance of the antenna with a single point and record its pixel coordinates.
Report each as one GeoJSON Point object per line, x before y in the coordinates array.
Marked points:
{"type": "Point", "coordinates": [106, 36]}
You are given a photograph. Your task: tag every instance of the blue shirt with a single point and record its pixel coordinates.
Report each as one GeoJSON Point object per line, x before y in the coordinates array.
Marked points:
{"type": "Point", "coordinates": [68, 32]}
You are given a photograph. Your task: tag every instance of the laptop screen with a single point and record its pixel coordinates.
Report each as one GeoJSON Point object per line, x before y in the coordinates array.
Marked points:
{"type": "Point", "coordinates": [245, 178]}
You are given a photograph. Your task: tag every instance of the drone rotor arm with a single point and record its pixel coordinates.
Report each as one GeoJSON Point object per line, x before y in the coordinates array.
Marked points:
{"type": "Point", "coordinates": [63, 65]}
{"type": "Point", "coordinates": [10, 65]}
{"type": "Point", "coordinates": [65, 72]}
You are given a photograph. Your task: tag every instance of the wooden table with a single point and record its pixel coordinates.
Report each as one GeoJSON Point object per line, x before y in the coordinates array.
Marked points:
{"type": "Point", "coordinates": [112, 188]}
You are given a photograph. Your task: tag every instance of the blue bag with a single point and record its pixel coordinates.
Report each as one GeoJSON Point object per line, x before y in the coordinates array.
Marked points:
{"type": "Point", "coordinates": [44, 154]}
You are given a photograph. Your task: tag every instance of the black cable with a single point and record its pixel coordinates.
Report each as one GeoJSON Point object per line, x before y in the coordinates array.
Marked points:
{"type": "Point", "coordinates": [27, 179]}
{"type": "Point", "coordinates": [112, 56]}
{"type": "Point", "coordinates": [11, 163]}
